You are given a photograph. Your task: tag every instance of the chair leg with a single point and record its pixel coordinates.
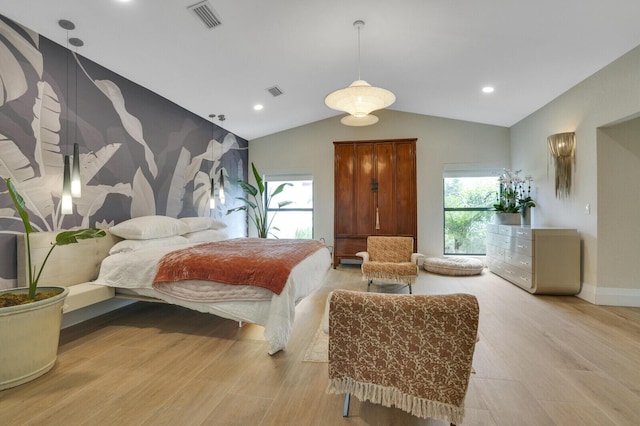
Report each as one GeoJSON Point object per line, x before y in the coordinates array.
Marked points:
{"type": "Point", "coordinates": [345, 407]}
{"type": "Point", "coordinates": [369, 285]}
{"type": "Point", "coordinates": [410, 292]}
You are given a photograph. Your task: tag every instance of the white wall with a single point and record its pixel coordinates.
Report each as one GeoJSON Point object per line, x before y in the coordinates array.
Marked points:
{"type": "Point", "coordinates": [610, 95]}
{"type": "Point", "coordinates": [619, 197]}
{"type": "Point", "coordinates": [441, 143]}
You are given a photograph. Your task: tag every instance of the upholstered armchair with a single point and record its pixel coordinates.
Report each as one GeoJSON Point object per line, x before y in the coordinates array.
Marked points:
{"type": "Point", "coordinates": [390, 260]}
{"type": "Point", "coordinates": [413, 352]}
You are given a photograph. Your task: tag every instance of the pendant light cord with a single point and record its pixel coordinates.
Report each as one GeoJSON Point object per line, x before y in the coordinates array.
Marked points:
{"type": "Point", "coordinates": [358, 24]}
{"type": "Point", "coordinates": [75, 128]}
{"type": "Point", "coordinates": [66, 144]}
{"type": "Point", "coordinates": [359, 52]}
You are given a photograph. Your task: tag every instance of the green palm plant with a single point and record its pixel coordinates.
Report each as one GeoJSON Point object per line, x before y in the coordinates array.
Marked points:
{"type": "Point", "coordinates": [63, 238]}
{"type": "Point", "coordinates": [257, 206]}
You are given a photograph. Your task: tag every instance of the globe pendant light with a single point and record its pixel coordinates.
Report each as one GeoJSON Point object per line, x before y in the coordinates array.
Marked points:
{"type": "Point", "coordinates": [360, 98]}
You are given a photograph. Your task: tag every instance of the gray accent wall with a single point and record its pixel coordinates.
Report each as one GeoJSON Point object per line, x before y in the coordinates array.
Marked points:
{"type": "Point", "coordinates": [140, 153]}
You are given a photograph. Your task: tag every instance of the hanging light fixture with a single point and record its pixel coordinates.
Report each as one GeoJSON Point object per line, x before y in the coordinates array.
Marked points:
{"type": "Point", "coordinates": [221, 117]}
{"type": "Point", "coordinates": [562, 149]}
{"type": "Point", "coordinates": [66, 203]}
{"type": "Point", "coordinates": [360, 98]}
{"type": "Point", "coordinates": [212, 193]}
{"type": "Point", "coordinates": [76, 183]}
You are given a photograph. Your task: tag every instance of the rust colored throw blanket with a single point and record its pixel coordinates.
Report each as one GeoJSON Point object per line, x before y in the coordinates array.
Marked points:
{"type": "Point", "coordinates": [247, 261]}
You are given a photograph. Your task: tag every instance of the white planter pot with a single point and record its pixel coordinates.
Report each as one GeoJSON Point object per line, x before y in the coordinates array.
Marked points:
{"type": "Point", "coordinates": [508, 218]}
{"type": "Point", "coordinates": [29, 336]}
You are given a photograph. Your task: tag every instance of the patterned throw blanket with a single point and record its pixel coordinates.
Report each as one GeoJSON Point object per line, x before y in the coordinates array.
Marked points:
{"type": "Point", "coordinates": [242, 261]}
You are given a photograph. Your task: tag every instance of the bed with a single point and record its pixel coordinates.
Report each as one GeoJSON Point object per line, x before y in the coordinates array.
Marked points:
{"type": "Point", "coordinates": [131, 272]}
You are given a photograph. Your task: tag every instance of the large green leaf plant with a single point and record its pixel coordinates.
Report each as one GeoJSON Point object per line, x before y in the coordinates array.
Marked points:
{"type": "Point", "coordinates": [257, 202]}
{"type": "Point", "coordinates": [63, 238]}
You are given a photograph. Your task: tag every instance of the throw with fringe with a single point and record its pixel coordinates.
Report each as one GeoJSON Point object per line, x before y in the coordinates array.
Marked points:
{"type": "Point", "coordinates": [410, 351]}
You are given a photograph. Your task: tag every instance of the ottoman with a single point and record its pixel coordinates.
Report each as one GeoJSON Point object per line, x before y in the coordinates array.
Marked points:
{"type": "Point", "coordinates": [456, 265]}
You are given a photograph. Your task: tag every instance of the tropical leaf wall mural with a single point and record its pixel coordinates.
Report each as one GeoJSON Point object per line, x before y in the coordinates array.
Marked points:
{"type": "Point", "coordinates": [140, 154]}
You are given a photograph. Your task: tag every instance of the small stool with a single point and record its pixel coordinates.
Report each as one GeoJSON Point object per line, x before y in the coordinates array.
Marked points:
{"type": "Point", "coordinates": [457, 266]}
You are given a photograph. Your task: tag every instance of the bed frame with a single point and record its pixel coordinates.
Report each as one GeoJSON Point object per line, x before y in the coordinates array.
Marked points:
{"type": "Point", "coordinates": [76, 265]}
{"type": "Point", "coordinates": [73, 266]}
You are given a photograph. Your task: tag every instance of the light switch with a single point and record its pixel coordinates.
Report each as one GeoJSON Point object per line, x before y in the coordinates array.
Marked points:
{"type": "Point", "coordinates": [587, 208]}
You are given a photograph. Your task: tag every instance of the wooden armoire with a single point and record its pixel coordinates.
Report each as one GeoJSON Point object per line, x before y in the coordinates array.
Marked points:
{"type": "Point", "coordinates": [374, 193]}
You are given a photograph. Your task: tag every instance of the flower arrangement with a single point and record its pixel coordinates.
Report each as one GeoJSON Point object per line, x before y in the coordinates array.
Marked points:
{"type": "Point", "coordinates": [515, 192]}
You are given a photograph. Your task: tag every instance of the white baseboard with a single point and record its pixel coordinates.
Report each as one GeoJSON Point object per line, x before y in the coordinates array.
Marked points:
{"type": "Point", "coordinates": [610, 296]}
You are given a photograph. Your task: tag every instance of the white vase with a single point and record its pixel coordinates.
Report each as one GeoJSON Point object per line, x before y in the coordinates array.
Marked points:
{"type": "Point", "coordinates": [525, 216]}
{"type": "Point", "coordinates": [30, 334]}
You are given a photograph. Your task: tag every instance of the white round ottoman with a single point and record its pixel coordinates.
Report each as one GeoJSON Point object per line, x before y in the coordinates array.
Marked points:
{"type": "Point", "coordinates": [453, 265]}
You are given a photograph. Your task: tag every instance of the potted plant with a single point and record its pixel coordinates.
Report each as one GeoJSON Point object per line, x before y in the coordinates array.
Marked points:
{"type": "Point", "coordinates": [514, 200]}
{"type": "Point", "coordinates": [30, 319]}
{"type": "Point", "coordinates": [258, 206]}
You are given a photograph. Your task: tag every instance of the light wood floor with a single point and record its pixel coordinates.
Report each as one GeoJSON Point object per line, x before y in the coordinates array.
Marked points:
{"type": "Point", "coordinates": [539, 361]}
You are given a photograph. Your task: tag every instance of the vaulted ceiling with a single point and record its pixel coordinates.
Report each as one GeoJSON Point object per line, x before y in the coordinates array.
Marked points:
{"type": "Point", "coordinates": [435, 55]}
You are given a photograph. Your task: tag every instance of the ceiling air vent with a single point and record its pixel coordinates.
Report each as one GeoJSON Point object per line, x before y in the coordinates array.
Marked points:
{"type": "Point", "coordinates": [275, 91]}
{"type": "Point", "coordinates": [206, 14]}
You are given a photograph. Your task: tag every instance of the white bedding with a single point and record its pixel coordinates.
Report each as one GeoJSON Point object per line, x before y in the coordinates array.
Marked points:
{"type": "Point", "coordinates": [136, 270]}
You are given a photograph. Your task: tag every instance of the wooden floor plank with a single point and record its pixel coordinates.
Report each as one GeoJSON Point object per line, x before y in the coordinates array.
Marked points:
{"type": "Point", "coordinates": [540, 360]}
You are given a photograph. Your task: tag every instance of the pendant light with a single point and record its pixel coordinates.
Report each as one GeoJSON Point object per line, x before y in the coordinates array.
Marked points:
{"type": "Point", "coordinates": [66, 203]}
{"type": "Point", "coordinates": [360, 98]}
{"type": "Point", "coordinates": [76, 183]}
{"type": "Point", "coordinates": [221, 117]}
{"type": "Point", "coordinates": [212, 193]}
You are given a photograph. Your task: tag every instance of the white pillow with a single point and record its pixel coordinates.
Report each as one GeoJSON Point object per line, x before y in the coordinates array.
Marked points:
{"type": "Point", "coordinates": [126, 246]}
{"type": "Point", "coordinates": [216, 224]}
{"type": "Point", "coordinates": [197, 223]}
{"type": "Point", "coordinates": [148, 227]}
{"type": "Point", "coordinates": [206, 236]}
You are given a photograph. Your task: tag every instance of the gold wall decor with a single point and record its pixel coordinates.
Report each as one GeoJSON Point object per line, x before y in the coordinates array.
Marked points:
{"type": "Point", "coordinates": [562, 150]}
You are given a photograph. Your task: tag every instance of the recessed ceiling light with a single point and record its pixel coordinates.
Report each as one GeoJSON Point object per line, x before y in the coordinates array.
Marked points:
{"type": "Point", "coordinates": [258, 107]}
{"type": "Point", "coordinates": [487, 89]}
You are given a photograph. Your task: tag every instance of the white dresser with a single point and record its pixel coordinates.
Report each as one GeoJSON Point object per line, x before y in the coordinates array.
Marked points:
{"type": "Point", "coordinates": [540, 260]}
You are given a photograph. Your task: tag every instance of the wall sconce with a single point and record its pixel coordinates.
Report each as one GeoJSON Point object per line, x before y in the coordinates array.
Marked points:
{"type": "Point", "coordinates": [562, 149]}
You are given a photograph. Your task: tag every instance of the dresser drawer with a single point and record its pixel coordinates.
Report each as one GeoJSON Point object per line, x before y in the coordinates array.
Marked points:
{"type": "Point", "coordinates": [492, 228]}
{"type": "Point", "coordinates": [516, 275]}
{"type": "Point", "coordinates": [506, 230]}
{"type": "Point", "coordinates": [495, 251]}
{"type": "Point", "coordinates": [524, 233]}
{"type": "Point", "coordinates": [521, 261]}
{"type": "Point", "coordinates": [496, 266]}
{"type": "Point", "coordinates": [522, 246]}
{"type": "Point", "coordinates": [500, 241]}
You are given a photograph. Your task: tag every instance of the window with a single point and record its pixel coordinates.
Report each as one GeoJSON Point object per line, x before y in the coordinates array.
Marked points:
{"type": "Point", "coordinates": [468, 203]}
{"type": "Point", "coordinates": [294, 220]}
